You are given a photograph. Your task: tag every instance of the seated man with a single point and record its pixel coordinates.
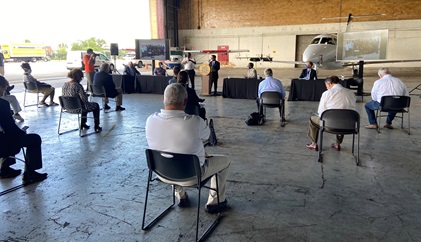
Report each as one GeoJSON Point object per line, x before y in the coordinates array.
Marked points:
{"type": "Point", "coordinates": [269, 84]}
{"type": "Point", "coordinates": [43, 88]}
{"type": "Point", "coordinates": [103, 78]}
{"type": "Point", "coordinates": [130, 69]}
{"type": "Point", "coordinates": [173, 130]}
{"type": "Point", "coordinates": [176, 70]}
{"type": "Point", "coordinates": [12, 139]}
{"type": "Point", "coordinates": [335, 97]}
{"type": "Point", "coordinates": [251, 72]}
{"type": "Point", "coordinates": [308, 73]}
{"type": "Point", "coordinates": [385, 86]}
{"type": "Point", "coordinates": [160, 70]}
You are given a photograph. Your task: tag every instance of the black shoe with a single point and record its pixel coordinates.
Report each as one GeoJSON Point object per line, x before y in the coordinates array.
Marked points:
{"type": "Point", "coordinates": [119, 108]}
{"type": "Point", "coordinates": [7, 172]}
{"type": "Point", "coordinates": [106, 107]}
{"type": "Point", "coordinates": [33, 176]}
{"type": "Point", "coordinates": [84, 126]}
{"type": "Point", "coordinates": [184, 202]}
{"type": "Point", "coordinates": [98, 129]}
{"type": "Point", "coordinates": [201, 100]}
{"type": "Point", "coordinates": [214, 207]}
{"type": "Point", "coordinates": [10, 88]}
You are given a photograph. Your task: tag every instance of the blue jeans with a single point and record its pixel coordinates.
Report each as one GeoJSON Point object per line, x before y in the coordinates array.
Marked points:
{"type": "Point", "coordinates": [372, 105]}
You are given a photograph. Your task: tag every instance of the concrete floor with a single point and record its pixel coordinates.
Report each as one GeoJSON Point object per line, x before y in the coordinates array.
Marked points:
{"type": "Point", "coordinates": [276, 189]}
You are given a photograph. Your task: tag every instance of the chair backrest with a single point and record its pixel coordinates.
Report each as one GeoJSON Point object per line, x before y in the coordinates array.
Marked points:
{"type": "Point", "coordinates": [340, 120]}
{"type": "Point", "coordinates": [71, 104]}
{"type": "Point", "coordinates": [98, 91]}
{"type": "Point", "coordinates": [394, 103]}
{"type": "Point", "coordinates": [172, 166]}
{"type": "Point", "coordinates": [271, 98]}
{"type": "Point", "coordinates": [30, 86]}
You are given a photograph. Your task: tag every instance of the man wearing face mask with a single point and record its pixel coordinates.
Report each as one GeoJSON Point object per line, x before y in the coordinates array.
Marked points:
{"type": "Point", "coordinates": [308, 73]}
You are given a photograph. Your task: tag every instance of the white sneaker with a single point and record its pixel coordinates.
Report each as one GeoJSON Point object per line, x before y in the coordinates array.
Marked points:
{"type": "Point", "coordinates": [18, 117]}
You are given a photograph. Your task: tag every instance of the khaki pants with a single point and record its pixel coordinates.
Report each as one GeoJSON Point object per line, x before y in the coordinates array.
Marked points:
{"type": "Point", "coordinates": [314, 127]}
{"type": "Point", "coordinates": [118, 99]}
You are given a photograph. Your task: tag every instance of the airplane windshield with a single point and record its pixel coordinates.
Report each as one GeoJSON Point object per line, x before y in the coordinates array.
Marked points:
{"type": "Point", "coordinates": [315, 41]}
{"type": "Point", "coordinates": [329, 41]}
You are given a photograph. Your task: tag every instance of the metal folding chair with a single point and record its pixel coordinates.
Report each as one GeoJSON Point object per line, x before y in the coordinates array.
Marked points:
{"type": "Point", "coordinates": [177, 168]}
{"type": "Point", "coordinates": [272, 100]}
{"type": "Point", "coordinates": [340, 121]}
{"type": "Point", "coordinates": [71, 105]}
{"type": "Point", "coordinates": [397, 104]}
{"type": "Point", "coordinates": [99, 91]}
{"type": "Point", "coordinates": [31, 87]}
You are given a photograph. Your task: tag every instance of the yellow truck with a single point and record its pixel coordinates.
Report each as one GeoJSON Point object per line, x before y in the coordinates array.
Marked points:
{"type": "Point", "coordinates": [24, 52]}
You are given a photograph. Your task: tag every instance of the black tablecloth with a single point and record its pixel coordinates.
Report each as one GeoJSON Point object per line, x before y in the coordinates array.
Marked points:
{"type": "Point", "coordinates": [309, 90]}
{"type": "Point", "coordinates": [127, 82]}
{"type": "Point", "coordinates": [240, 88]}
{"type": "Point", "coordinates": [152, 84]}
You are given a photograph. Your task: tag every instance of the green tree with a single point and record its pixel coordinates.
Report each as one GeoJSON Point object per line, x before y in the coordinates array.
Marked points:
{"type": "Point", "coordinates": [93, 43]}
{"type": "Point", "coordinates": [61, 52]}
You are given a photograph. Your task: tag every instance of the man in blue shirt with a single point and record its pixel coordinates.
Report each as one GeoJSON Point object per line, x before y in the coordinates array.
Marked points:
{"type": "Point", "coordinates": [269, 84]}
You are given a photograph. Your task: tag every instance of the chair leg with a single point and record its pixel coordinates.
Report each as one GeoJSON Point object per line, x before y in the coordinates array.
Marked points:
{"type": "Point", "coordinates": [217, 219]}
{"type": "Point", "coordinates": [409, 124]}
{"type": "Point", "coordinates": [59, 121]}
{"type": "Point", "coordinates": [283, 113]}
{"type": "Point", "coordinates": [378, 114]}
{"type": "Point", "coordinates": [358, 149]}
{"type": "Point", "coordinates": [353, 140]}
{"type": "Point", "coordinates": [320, 159]}
{"type": "Point", "coordinates": [162, 214]}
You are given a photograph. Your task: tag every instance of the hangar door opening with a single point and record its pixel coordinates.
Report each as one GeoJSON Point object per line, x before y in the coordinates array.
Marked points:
{"type": "Point", "coordinates": [302, 42]}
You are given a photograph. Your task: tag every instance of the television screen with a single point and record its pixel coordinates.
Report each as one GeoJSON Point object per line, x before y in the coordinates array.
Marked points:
{"type": "Point", "coordinates": [367, 45]}
{"type": "Point", "coordinates": [152, 49]}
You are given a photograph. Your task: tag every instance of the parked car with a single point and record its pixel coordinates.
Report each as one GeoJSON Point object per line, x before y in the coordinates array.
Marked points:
{"type": "Point", "coordinates": [75, 60]}
{"type": "Point", "coordinates": [131, 56]}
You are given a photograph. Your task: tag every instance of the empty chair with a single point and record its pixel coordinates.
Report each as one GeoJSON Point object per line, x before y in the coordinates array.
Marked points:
{"type": "Point", "coordinates": [31, 87]}
{"type": "Point", "coordinates": [397, 104]}
{"type": "Point", "coordinates": [340, 121]}
{"type": "Point", "coordinates": [71, 105]}
{"type": "Point", "coordinates": [177, 168]}
{"type": "Point", "coordinates": [272, 100]}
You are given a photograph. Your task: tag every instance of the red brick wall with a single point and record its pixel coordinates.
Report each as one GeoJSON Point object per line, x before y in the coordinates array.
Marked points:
{"type": "Point", "coordinates": [215, 14]}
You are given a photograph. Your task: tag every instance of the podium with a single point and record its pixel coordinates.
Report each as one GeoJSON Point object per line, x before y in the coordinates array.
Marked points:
{"type": "Point", "coordinates": [205, 85]}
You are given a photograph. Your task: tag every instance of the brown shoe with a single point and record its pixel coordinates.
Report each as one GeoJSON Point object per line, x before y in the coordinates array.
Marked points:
{"type": "Point", "coordinates": [388, 126]}
{"type": "Point", "coordinates": [371, 126]}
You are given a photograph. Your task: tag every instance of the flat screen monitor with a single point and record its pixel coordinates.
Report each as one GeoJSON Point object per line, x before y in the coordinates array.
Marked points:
{"type": "Point", "coordinates": [365, 45]}
{"type": "Point", "coordinates": [152, 49]}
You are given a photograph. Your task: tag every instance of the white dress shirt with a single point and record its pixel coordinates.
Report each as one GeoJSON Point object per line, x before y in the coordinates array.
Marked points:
{"type": "Point", "coordinates": [188, 65]}
{"type": "Point", "coordinates": [177, 132]}
{"type": "Point", "coordinates": [388, 85]}
{"type": "Point", "coordinates": [337, 97]}
{"type": "Point", "coordinates": [270, 84]}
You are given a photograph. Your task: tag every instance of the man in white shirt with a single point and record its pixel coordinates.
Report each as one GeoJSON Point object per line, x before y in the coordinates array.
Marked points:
{"type": "Point", "coordinates": [173, 130]}
{"type": "Point", "coordinates": [269, 84]}
{"type": "Point", "coordinates": [251, 72]}
{"type": "Point", "coordinates": [189, 64]}
{"type": "Point", "coordinates": [387, 85]}
{"type": "Point", "coordinates": [335, 97]}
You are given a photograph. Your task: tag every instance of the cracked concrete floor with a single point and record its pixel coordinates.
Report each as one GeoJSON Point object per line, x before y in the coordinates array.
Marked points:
{"type": "Point", "coordinates": [276, 189]}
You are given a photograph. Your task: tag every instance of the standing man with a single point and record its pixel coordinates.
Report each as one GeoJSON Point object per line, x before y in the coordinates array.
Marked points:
{"type": "Point", "coordinates": [89, 62]}
{"type": "Point", "coordinates": [335, 97]}
{"type": "Point", "coordinates": [308, 73]}
{"type": "Point", "coordinates": [387, 85]}
{"type": "Point", "coordinates": [12, 139]}
{"type": "Point", "coordinates": [269, 84]}
{"type": "Point", "coordinates": [1, 64]}
{"type": "Point", "coordinates": [173, 130]}
{"type": "Point", "coordinates": [189, 64]}
{"type": "Point", "coordinates": [251, 72]}
{"type": "Point", "coordinates": [103, 78]}
{"type": "Point", "coordinates": [213, 75]}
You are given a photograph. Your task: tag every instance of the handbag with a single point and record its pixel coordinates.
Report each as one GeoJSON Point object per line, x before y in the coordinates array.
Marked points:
{"type": "Point", "coordinates": [212, 137]}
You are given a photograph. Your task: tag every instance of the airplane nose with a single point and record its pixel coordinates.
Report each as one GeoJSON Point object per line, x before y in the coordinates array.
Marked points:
{"type": "Point", "coordinates": [309, 54]}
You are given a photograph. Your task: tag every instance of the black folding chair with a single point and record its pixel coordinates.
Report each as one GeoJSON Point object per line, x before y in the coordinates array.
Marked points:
{"type": "Point", "coordinates": [340, 121]}
{"type": "Point", "coordinates": [272, 100]}
{"type": "Point", "coordinates": [177, 168]}
{"type": "Point", "coordinates": [71, 105]}
{"type": "Point", "coordinates": [31, 87]}
{"type": "Point", "coordinates": [397, 104]}
{"type": "Point", "coordinates": [99, 91]}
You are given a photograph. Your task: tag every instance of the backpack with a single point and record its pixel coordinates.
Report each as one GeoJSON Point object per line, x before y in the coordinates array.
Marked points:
{"type": "Point", "coordinates": [254, 119]}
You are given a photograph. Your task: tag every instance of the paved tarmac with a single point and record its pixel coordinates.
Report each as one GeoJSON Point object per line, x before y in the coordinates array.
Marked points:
{"type": "Point", "coordinates": [276, 189]}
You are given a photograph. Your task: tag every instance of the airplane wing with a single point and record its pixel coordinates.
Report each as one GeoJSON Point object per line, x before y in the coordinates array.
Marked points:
{"type": "Point", "coordinates": [354, 63]}
{"type": "Point", "coordinates": [215, 51]}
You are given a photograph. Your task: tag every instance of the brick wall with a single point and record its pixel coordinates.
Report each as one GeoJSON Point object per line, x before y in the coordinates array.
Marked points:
{"type": "Point", "coordinates": [214, 14]}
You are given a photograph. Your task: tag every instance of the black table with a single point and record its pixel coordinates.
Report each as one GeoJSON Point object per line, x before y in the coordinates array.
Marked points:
{"type": "Point", "coordinates": [152, 84]}
{"type": "Point", "coordinates": [309, 90]}
{"type": "Point", "coordinates": [240, 88]}
{"type": "Point", "coordinates": [125, 82]}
